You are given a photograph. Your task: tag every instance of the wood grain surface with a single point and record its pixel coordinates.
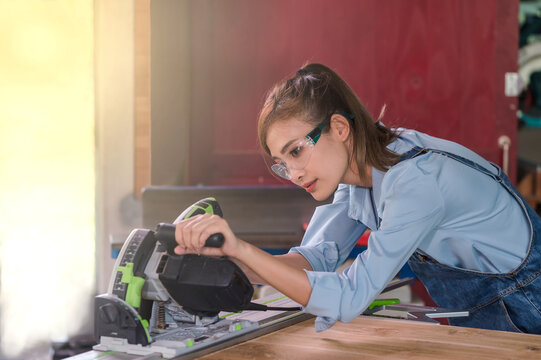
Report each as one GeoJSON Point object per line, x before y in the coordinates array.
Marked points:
{"type": "Point", "coordinates": [381, 338]}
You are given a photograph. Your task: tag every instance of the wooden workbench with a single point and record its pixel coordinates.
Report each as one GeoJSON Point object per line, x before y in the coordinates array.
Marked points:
{"type": "Point", "coordinates": [382, 338]}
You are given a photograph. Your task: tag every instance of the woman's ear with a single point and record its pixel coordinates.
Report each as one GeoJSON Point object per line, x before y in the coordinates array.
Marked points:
{"type": "Point", "coordinates": [340, 127]}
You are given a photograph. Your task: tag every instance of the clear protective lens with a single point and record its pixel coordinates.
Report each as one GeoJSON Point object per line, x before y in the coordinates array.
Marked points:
{"type": "Point", "coordinates": [298, 154]}
{"type": "Point", "coordinates": [281, 170]}
{"type": "Point", "coordinates": [296, 157]}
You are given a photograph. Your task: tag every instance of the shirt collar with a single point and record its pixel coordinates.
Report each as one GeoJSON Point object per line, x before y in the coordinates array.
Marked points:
{"type": "Point", "coordinates": [377, 179]}
{"type": "Point", "coordinates": [361, 205]}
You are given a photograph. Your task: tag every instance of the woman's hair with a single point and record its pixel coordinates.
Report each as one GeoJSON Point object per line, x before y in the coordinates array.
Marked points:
{"type": "Point", "coordinates": [313, 95]}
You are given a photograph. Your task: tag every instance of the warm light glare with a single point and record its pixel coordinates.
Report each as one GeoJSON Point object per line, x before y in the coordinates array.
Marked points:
{"type": "Point", "coordinates": [46, 170]}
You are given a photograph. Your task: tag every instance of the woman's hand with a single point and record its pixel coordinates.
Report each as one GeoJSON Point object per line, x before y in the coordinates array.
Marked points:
{"type": "Point", "coordinates": [192, 233]}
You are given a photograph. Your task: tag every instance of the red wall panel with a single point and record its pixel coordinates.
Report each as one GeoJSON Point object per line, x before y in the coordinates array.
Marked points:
{"type": "Point", "coordinates": [438, 65]}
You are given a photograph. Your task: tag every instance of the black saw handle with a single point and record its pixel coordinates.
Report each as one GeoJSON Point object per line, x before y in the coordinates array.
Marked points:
{"type": "Point", "coordinates": [165, 234]}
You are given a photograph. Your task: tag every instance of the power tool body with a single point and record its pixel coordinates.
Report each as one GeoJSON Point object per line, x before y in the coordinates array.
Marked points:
{"type": "Point", "coordinates": [158, 301]}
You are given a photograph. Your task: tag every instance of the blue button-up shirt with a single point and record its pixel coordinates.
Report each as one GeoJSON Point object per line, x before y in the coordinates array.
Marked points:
{"type": "Point", "coordinates": [456, 214]}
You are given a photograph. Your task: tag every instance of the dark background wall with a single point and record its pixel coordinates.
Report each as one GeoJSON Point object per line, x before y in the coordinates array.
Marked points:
{"type": "Point", "coordinates": [438, 65]}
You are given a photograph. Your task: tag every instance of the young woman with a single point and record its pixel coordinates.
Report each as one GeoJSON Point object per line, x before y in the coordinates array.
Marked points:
{"type": "Point", "coordinates": [466, 232]}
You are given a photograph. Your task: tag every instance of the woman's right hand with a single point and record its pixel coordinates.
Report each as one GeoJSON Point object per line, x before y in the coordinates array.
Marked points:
{"type": "Point", "coordinates": [192, 233]}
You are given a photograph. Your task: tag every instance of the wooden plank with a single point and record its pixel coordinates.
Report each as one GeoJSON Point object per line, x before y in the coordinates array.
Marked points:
{"type": "Point", "coordinates": [379, 338]}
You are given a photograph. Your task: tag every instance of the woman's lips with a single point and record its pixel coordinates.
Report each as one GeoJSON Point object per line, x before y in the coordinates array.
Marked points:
{"type": "Point", "coordinates": [310, 186]}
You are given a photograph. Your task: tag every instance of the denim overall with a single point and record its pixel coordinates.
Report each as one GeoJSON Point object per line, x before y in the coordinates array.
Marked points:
{"type": "Point", "coordinates": [508, 301]}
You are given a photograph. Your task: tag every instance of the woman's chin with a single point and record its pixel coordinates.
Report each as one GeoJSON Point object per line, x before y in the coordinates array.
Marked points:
{"type": "Point", "coordinates": [320, 195]}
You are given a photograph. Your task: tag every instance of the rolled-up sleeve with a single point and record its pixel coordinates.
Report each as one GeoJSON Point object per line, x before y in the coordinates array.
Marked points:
{"type": "Point", "coordinates": [331, 234]}
{"type": "Point", "coordinates": [410, 206]}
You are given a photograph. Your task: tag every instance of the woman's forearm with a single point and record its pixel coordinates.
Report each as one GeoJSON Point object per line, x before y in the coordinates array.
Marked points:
{"type": "Point", "coordinates": [284, 273]}
{"type": "Point", "coordinates": [286, 276]}
{"type": "Point", "coordinates": [292, 259]}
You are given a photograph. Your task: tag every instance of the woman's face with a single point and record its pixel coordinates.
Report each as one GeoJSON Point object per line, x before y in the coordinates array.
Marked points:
{"type": "Point", "coordinates": [328, 163]}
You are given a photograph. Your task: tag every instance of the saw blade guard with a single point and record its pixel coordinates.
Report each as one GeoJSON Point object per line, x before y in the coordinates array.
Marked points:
{"type": "Point", "coordinates": [204, 285]}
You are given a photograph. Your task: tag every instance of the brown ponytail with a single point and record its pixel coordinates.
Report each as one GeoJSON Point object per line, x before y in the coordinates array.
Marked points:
{"type": "Point", "coordinates": [314, 94]}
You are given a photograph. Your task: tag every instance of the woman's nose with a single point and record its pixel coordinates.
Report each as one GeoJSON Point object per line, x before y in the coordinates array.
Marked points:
{"type": "Point", "coordinates": [296, 175]}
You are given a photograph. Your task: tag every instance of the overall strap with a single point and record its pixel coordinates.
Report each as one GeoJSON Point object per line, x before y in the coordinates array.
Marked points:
{"type": "Point", "coordinates": [417, 151]}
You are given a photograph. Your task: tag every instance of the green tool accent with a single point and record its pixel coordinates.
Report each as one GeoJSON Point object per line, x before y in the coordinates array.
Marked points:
{"type": "Point", "coordinates": [238, 327]}
{"type": "Point", "coordinates": [135, 285]}
{"type": "Point", "coordinates": [380, 302]}
{"type": "Point", "coordinates": [269, 301]}
{"type": "Point", "coordinates": [144, 322]}
{"type": "Point", "coordinates": [105, 354]}
{"type": "Point", "coordinates": [189, 342]}
{"type": "Point", "coordinates": [263, 303]}
{"type": "Point", "coordinates": [207, 209]}
{"type": "Point", "coordinates": [229, 314]}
